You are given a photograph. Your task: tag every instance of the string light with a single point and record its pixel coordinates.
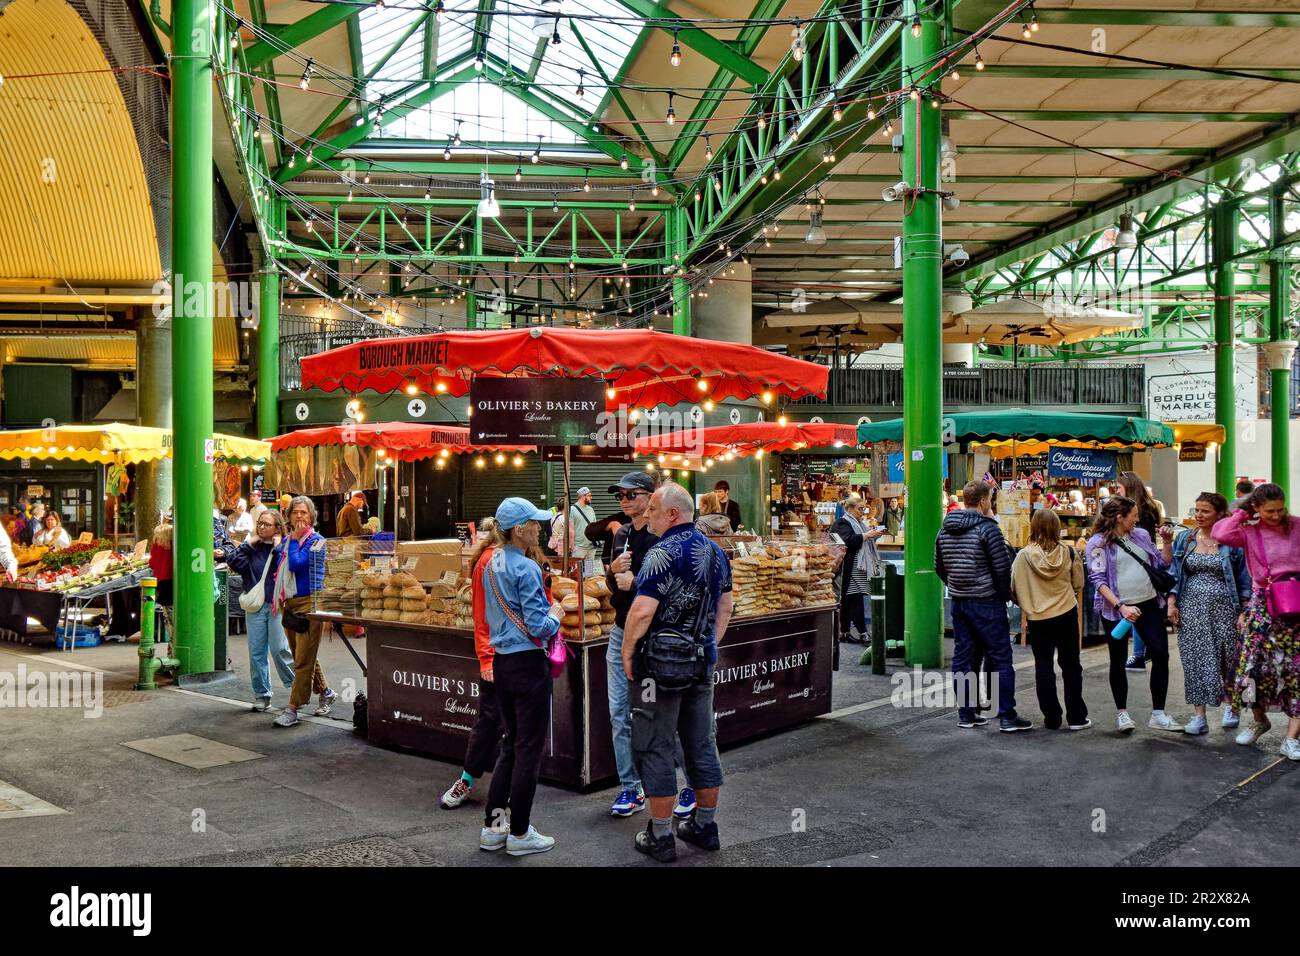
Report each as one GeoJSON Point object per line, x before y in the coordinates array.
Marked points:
{"type": "Point", "coordinates": [796, 47]}
{"type": "Point", "coordinates": [672, 115]}
{"type": "Point", "coordinates": [456, 139]}
{"type": "Point", "coordinates": [708, 148]}
{"type": "Point", "coordinates": [306, 75]}
{"type": "Point", "coordinates": [586, 181]}
{"type": "Point", "coordinates": [582, 88]}
{"type": "Point", "coordinates": [537, 153]}
{"type": "Point", "coordinates": [478, 62]}
{"type": "Point", "coordinates": [622, 163]}
{"type": "Point", "coordinates": [446, 152]}
{"type": "Point", "coordinates": [631, 207]}
{"type": "Point", "coordinates": [916, 25]}
{"type": "Point", "coordinates": [519, 170]}
{"type": "Point", "coordinates": [871, 109]}
{"type": "Point", "coordinates": [979, 60]}
{"type": "Point", "coordinates": [837, 114]}
{"type": "Point", "coordinates": [675, 58]}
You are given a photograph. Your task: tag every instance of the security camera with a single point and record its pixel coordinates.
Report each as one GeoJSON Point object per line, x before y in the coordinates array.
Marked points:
{"type": "Point", "coordinates": [892, 193]}
{"type": "Point", "coordinates": [957, 255]}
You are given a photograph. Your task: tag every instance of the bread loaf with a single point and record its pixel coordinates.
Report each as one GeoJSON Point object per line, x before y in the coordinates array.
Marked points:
{"type": "Point", "coordinates": [596, 587]}
{"type": "Point", "coordinates": [387, 615]}
{"type": "Point", "coordinates": [570, 603]}
{"type": "Point", "coordinates": [391, 590]}
{"type": "Point", "coordinates": [404, 579]}
{"type": "Point", "coordinates": [410, 604]}
{"type": "Point", "coordinates": [413, 591]}
{"type": "Point", "coordinates": [411, 617]}
{"type": "Point", "coordinates": [562, 585]}
{"type": "Point", "coordinates": [591, 618]}
{"type": "Point", "coordinates": [392, 603]}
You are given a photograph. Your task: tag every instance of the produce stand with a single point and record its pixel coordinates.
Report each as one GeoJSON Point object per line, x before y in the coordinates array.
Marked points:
{"type": "Point", "coordinates": [59, 600]}
{"type": "Point", "coordinates": [773, 672]}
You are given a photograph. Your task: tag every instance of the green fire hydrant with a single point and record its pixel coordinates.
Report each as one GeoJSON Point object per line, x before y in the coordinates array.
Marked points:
{"type": "Point", "coordinates": [149, 664]}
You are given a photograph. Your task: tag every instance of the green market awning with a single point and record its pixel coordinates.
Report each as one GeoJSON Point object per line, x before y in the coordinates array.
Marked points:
{"type": "Point", "coordinates": [1023, 424]}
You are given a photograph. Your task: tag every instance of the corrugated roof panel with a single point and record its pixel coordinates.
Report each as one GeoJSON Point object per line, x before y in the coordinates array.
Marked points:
{"type": "Point", "coordinates": [73, 195]}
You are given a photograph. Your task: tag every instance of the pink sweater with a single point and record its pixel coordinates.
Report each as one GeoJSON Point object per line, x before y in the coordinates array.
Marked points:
{"type": "Point", "coordinates": [1282, 547]}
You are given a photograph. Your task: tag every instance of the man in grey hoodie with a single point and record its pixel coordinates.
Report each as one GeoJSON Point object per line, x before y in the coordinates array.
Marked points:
{"type": "Point", "coordinates": [971, 557]}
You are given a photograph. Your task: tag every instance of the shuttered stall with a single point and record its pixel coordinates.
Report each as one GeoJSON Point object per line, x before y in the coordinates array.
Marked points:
{"type": "Point", "coordinates": [483, 489]}
{"type": "Point", "coordinates": [597, 476]}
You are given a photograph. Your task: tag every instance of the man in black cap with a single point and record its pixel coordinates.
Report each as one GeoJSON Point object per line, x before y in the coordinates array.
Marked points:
{"type": "Point", "coordinates": [631, 542]}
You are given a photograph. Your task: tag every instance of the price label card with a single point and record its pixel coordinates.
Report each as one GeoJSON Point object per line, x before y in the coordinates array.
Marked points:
{"type": "Point", "coordinates": [741, 550]}
{"type": "Point", "coordinates": [450, 577]}
{"type": "Point", "coordinates": [381, 562]}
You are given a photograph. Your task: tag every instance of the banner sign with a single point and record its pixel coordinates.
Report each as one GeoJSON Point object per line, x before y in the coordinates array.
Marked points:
{"type": "Point", "coordinates": [535, 411]}
{"type": "Point", "coordinates": [896, 467]}
{"type": "Point", "coordinates": [1087, 465]}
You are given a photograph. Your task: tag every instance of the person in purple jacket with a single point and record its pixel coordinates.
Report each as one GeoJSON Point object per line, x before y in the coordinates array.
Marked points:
{"type": "Point", "coordinates": [1119, 558]}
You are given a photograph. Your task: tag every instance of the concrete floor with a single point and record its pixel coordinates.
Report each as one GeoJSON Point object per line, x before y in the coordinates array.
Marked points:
{"type": "Point", "coordinates": [870, 785]}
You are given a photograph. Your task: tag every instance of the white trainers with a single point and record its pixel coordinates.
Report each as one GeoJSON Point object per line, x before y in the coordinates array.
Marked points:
{"type": "Point", "coordinates": [326, 703]}
{"type": "Point", "coordinates": [1230, 719]}
{"type": "Point", "coordinates": [1162, 721]}
{"type": "Point", "coordinates": [456, 794]}
{"type": "Point", "coordinates": [1290, 749]}
{"type": "Point", "coordinates": [1124, 723]}
{"type": "Point", "coordinates": [1197, 725]}
{"type": "Point", "coordinates": [530, 842]}
{"type": "Point", "coordinates": [1248, 735]}
{"type": "Point", "coordinates": [492, 840]}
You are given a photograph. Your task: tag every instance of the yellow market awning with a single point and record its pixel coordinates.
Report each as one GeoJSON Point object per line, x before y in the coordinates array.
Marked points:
{"type": "Point", "coordinates": [116, 442]}
{"type": "Point", "coordinates": [1202, 432]}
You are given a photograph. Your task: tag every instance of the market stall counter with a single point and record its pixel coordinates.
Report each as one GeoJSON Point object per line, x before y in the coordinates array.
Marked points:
{"type": "Point", "coordinates": [773, 672]}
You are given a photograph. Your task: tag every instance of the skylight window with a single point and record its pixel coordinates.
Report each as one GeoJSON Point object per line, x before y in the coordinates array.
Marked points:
{"type": "Point", "coordinates": [381, 28]}
{"type": "Point", "coordinates": [487, 114]}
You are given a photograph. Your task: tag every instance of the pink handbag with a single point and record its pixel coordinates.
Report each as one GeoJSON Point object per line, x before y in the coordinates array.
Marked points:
{"type": "Point", "coordinates": [559, 652]}
{"type": "Point", "coordinates": [1282, 595]}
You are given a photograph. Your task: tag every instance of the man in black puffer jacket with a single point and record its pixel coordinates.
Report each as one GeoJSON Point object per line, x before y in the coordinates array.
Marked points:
{"type": "Point", "coordinates": [972, 558]}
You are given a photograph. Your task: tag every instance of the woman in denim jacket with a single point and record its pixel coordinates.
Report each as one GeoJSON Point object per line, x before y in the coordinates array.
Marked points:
{"type": "Point", "coordinates": [1212, 587]}
{"type": "Point", "coordinates": [1119, 555]}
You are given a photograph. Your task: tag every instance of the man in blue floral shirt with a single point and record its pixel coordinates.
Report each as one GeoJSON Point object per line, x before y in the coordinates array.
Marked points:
{"type": "Point", "coordinates": [684, 586]}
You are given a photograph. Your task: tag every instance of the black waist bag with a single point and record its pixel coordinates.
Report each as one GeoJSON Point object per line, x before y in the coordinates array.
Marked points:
{"type": "Point", "coordinates": [673, 660]}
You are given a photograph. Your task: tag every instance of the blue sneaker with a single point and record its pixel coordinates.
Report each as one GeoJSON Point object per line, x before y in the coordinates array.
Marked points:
{"type": "Point", "coordinates": [627, 802]}
{"type": "Point", "coordinates": [685, 804]}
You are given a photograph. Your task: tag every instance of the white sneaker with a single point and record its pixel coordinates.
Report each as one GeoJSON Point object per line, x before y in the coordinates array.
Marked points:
{"type": "Point", "coordinates": [1230, 719]}
{"type": "Point", "coordinates": [531, 842]}
{"type": "Point", "coordinates": [1248, 735]}
{"type": "Point", "coordinates": [492, 840]}
{"type": "Point", "coordinates": [1291, 749]}
{"type": "Point", "coordinates": [1197, 725]}
{"type": "Point", "coordinates": [1124, 723]}
{"type": "Point", "coordinates": [1162, 721]}
{"type": "Point", "coordinates": [456, 794]}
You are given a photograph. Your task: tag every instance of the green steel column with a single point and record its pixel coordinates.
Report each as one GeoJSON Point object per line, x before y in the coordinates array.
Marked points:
{"type": "Point", "coordinates": [268, 352]}
{"type": "Point", "coordinates": [1225, 374]}
{"type": "Point", "coordinates": [192, 172]}
{"type": "Point", "coordinates": [922, 346]}
{"type": "Point", "coordinates": [1280, 351]}
{"type": "Point", "coordinates": [676, 243]}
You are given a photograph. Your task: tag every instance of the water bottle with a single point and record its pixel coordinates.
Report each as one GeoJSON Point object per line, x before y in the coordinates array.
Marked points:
{"type": "Point", "coordinates": [1121, 629]}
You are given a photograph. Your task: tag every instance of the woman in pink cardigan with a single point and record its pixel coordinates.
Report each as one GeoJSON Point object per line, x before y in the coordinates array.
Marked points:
{"type": "Point", "coordinates": [1268, 673]}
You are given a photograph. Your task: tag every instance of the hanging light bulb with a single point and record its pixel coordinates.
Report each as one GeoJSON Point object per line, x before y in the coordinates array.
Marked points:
{"type": "Point", "coordinates": [306, 76]}
{"type": "Point", "coordinates": [631, 207]}
{"type": "Point", "coordinates": [622, 163]}
{"type": "Point", "coordinates": [675, 58]}
{"type": "Point", "coordinates": [586, 181]}
{"type": "Point", "coordinates": [456, 140]}
{"type": "Point", "coordinates": [555, 34]}
{"type": "Point", "coordinates": [446, 152]}
{"type": "Point", "coordinates": [708, 148]}
{"type": "Point", "coordinates": [428, 191]}
{"type": "Point", "coordinates": [837, 114]}
{"type": "Point", "coordinates": [672, 115]}
{"type": "Point", "coordinates": [871, 109]}
{"type": "Point", "coordinates": [537, 153]}
{"type": "Point", "coordinates": [582, 88]}
{"type": "Point", "coordinates": [1033, 19]}
{"type": "Point", "coordinates": [916, 25]}
{"type": "Point", "coordinates": [979, 60]}
{"type": "Point", "coordinates": [796, 47]}
{"type": "Point", "coordinates": [1025, 31]}
{"type": "Point", "coordinates": [555, 202]}
{"type": "Point", "coordinates": [762, 119]}
{"type": "Point", "coordinates": [478, 62]}
{"type": "Point", "coordinates": [519, 170]}
{"type": "Point", "coordinates": [366, 179]}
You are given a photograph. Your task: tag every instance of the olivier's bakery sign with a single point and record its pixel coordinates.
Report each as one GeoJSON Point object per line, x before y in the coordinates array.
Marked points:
{"type": "Point", "coordinates": [535, 411]}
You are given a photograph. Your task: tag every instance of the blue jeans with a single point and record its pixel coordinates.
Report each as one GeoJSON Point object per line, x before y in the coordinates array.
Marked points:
{"type": "Point", "coordinates": [1139, 646]}
{"type": "Point", "coordinates": [620, 715]}
{"type": "Point", "coordinates": [982, 623]}
{"type": "Point", "coordinates": [265, 632]}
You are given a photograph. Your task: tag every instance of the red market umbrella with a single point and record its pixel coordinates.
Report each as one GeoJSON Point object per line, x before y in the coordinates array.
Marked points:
{"type": "Point", "coordinates": [748, 439]}
{"type": "Point", "coordinates": [639, 366]}
{"type": "Point", "coordinates": [406, 441]}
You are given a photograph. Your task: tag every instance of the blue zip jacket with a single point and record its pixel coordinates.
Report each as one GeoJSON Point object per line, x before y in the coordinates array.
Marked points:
{"type": "Point", "coordinates": [1231, 560]}
{"type": "Point", "coordinates": [306, 562]}
{"type": "Point", "coordinates": [520, 581]}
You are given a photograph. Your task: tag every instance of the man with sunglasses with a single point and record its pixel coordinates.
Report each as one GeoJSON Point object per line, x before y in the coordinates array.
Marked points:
{"type": "Point", "coordinates": [631, 542]}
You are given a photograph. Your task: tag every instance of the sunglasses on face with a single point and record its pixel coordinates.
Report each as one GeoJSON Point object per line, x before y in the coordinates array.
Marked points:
{"type": "Point", "coordinates": [629, 495]}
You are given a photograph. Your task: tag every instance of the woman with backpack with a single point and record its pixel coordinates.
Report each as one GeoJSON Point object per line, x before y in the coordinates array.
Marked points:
{"type": "Point", "coordinates": [1045, 577]}
{"type": "Point", "coordinates": [1125, 570]}
{"type": "Point", "coordinates": [1211, 589]}
{"type": "Point", "coordinates": [255, 561]}
{"type": "Point", "coordinates": [1268, 672]}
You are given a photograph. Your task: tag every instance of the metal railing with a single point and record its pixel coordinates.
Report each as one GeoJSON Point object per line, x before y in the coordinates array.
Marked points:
{"type": "Point", "coordinates": [882, 386]}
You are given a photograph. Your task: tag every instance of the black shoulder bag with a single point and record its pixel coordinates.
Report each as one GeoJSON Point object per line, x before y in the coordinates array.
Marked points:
{"type": "Point", "coordinates": [1160, 579]}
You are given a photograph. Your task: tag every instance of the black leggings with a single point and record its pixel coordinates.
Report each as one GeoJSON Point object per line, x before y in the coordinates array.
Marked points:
{"type": "Point", "coordinates": [1151, 626]}
{"type": "Point", "coordinates": [523, 687]}
{"type": "Point", "coordinates": [852, 611]}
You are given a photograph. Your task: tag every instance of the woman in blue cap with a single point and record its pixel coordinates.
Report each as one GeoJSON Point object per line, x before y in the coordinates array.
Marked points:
{"type": "Point", "coordinates": [522, 623]}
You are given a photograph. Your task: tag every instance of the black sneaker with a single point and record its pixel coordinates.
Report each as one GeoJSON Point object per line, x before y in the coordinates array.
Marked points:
{"type": "Point", "coordinates": [665, 850]}
{"type": "Point", "coordinates": [1137, 662]}
{"type": "Point", "coordinates": [1009, 725]}
{"type": "Point", "coordinates": [970, 719]}
{"type": "Point", "coordinates": [704, 837]}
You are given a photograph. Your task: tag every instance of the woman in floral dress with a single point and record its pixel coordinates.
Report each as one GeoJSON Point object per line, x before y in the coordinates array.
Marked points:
{"type": "Point", "coordinates": [1268, 672]}
{"type": "Point", "coordinates": [1212, 587]}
